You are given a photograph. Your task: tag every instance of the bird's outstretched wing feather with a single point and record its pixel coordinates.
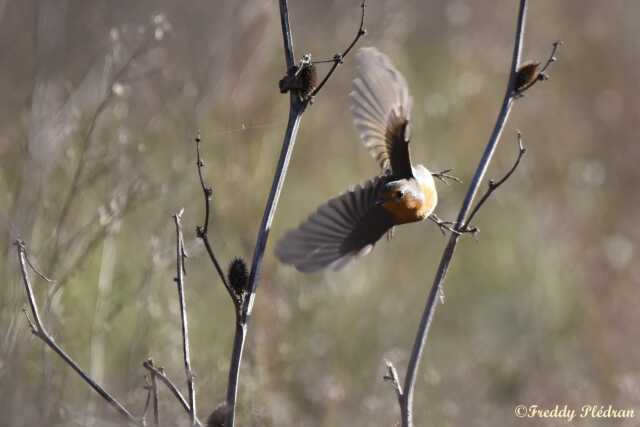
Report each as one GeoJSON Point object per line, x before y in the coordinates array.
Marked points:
{"type": "Point", "coordinates": [341, 229]}
{"type": "Point", "coordinates": [381, 107]}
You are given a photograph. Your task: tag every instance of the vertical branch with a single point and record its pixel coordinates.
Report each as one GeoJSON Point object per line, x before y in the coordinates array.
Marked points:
{"type": "Point", "coordinates": [38, 329]}
{"type": "Point", "coordinates": [296, 109]}
{"type": "Point", "coordinates": [180, 270]}
{"type": "Point", "coordinates": [406, 406]}
{"type": "Point", "coordinates": [299, 100]}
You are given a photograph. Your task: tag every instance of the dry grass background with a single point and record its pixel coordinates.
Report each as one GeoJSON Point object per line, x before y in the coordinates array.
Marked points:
{"type": "Point", "coordinates": [540, 310]}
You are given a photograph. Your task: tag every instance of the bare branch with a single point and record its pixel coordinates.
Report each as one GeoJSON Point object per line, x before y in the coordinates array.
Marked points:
{"type": "Point", "coordinates": [180, 269]}
{"type": "Point", "coordinates": [203, 231]}
{"type": "Point", "coordinates": [147, 402]}
{"type": "Point", "coordinates": [155, 396]}
{"type": "Point", "coordinates": [39, 331]}
{"type": "Point", "coordinates": [297, 106]}
{"type": "Point", "coordinates": [338, 59]}
{"type": "Point", "coordinates": [493, 185]}
{"type": "Point", "coordinates": [38, 272]}
{"type": "Point", "coordinates": [160, 374]}
{"type": "Point", "coordinates": [406, 405]}
{"type": "Point", "coordinates": [32, 326]}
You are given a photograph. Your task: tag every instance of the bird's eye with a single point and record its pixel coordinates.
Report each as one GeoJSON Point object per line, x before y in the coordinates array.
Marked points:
{"type": "Point", "coordinates": [399, 194]}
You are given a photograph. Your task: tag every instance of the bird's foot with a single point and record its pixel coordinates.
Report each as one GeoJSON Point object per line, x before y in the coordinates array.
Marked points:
{"type": "Point", "coordinates": [444, 176]}
{"type": "Point", "coordinates": [450, 226]}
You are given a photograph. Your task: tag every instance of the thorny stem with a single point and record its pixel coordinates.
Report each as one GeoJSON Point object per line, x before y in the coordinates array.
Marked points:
{"type": "Point", "coordinates": [406, 406]}
{"type": "Point", "coordinates": [180, 270]}
{"type": "Point", "coordinates": [38, 329]}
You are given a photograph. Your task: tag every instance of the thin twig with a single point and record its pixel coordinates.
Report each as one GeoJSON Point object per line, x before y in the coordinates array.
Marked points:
{"type": "Point", "coordinates": [339, 58]}
{"type": "Point", "coordinates": [147, 402]}
{"type": "Point", "coordinates": [493, 185]}
{"type": "Point", "coordinates": [392, 376]}
{"type": "Point", "coordinates": [38, 329]}
{"type": "Point", "coordinates": [203, 231]}
{"type": "Point", "coordinates": [162, 376]}
{"type": "Point", "coordinates": [542, 75]}
{"type": "Point", "coordinates": [406, 406]}
{"type": "Point", "coordinates": [38, 272]}
{"type": "Point", "coordinates": [154, 395]}
{"type": "Point", "coordinates": [180, 269]}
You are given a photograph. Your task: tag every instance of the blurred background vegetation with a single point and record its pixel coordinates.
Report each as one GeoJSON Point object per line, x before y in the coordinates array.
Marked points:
{"type": "Point", "coordinates": [101, 102]}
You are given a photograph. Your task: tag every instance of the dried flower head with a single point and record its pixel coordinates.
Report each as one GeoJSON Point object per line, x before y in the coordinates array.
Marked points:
{"type": "Point", "coordinates": [238, 276]}
{"type": "Point", "coordinates": [526, 74]}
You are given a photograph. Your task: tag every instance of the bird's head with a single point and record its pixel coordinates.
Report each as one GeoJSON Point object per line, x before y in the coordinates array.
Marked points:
{"type": "Point", "coordinates": [398, 193]}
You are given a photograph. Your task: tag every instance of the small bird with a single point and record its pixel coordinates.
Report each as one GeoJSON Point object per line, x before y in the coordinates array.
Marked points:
{"type": "Point", "coordinates": [349, 225]}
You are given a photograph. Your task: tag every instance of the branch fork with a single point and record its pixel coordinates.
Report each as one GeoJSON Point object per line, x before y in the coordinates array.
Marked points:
{"type": "Point", "coordinates": [38, 329]}
{"type": "Point", "coordinates": [515, 89]}
{"type": "Point", "coordinates": [300, 82]}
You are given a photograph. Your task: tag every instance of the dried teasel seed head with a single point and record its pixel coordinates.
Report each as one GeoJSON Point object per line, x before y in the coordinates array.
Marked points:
{"type": "Point", "coordinates": [526, 74]}
{"type": "Point", "coordinates": [308, 79]}
{"type": "Point", "coordinates": [218, 417]}
{"type": "Point", "coordinates": [238, 276]}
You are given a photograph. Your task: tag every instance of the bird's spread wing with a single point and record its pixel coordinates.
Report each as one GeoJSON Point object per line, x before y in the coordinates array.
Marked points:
{"type": "Point", "coordinates": [342, 228]}
{"type": "Point", "coordinates": [381, 106]}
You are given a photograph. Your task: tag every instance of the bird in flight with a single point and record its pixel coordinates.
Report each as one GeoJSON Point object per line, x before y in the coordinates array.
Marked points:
{"type": "Point", "coordinates": [349, 225]}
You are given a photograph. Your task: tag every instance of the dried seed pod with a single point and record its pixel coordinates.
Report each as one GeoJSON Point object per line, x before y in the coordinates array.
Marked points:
{"type": "Point", "coordinates": [308, 78]}
{"type": "Point", "coordinates": [238, 276]}
{"type": "Point", "coordinates": [526, 74]}
{"type": "Point", "coordinates": [288, 81]}
{"type": "Point", "coordinates": [218, 417]}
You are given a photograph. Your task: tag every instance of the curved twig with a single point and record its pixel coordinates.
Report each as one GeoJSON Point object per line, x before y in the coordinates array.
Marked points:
{"type": "Point", "coordinates": [493, 185]}
{"type": "Point", "coordinates": [202, 231]}
{"type": "Point", "coordinates": [339, 58]}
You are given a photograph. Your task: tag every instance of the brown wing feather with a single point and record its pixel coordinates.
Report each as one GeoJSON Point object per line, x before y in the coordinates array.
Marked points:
{"type": "Point", "coordinates": [381, 107]}
{"type": "Point", "coordinates": [339, 230]}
